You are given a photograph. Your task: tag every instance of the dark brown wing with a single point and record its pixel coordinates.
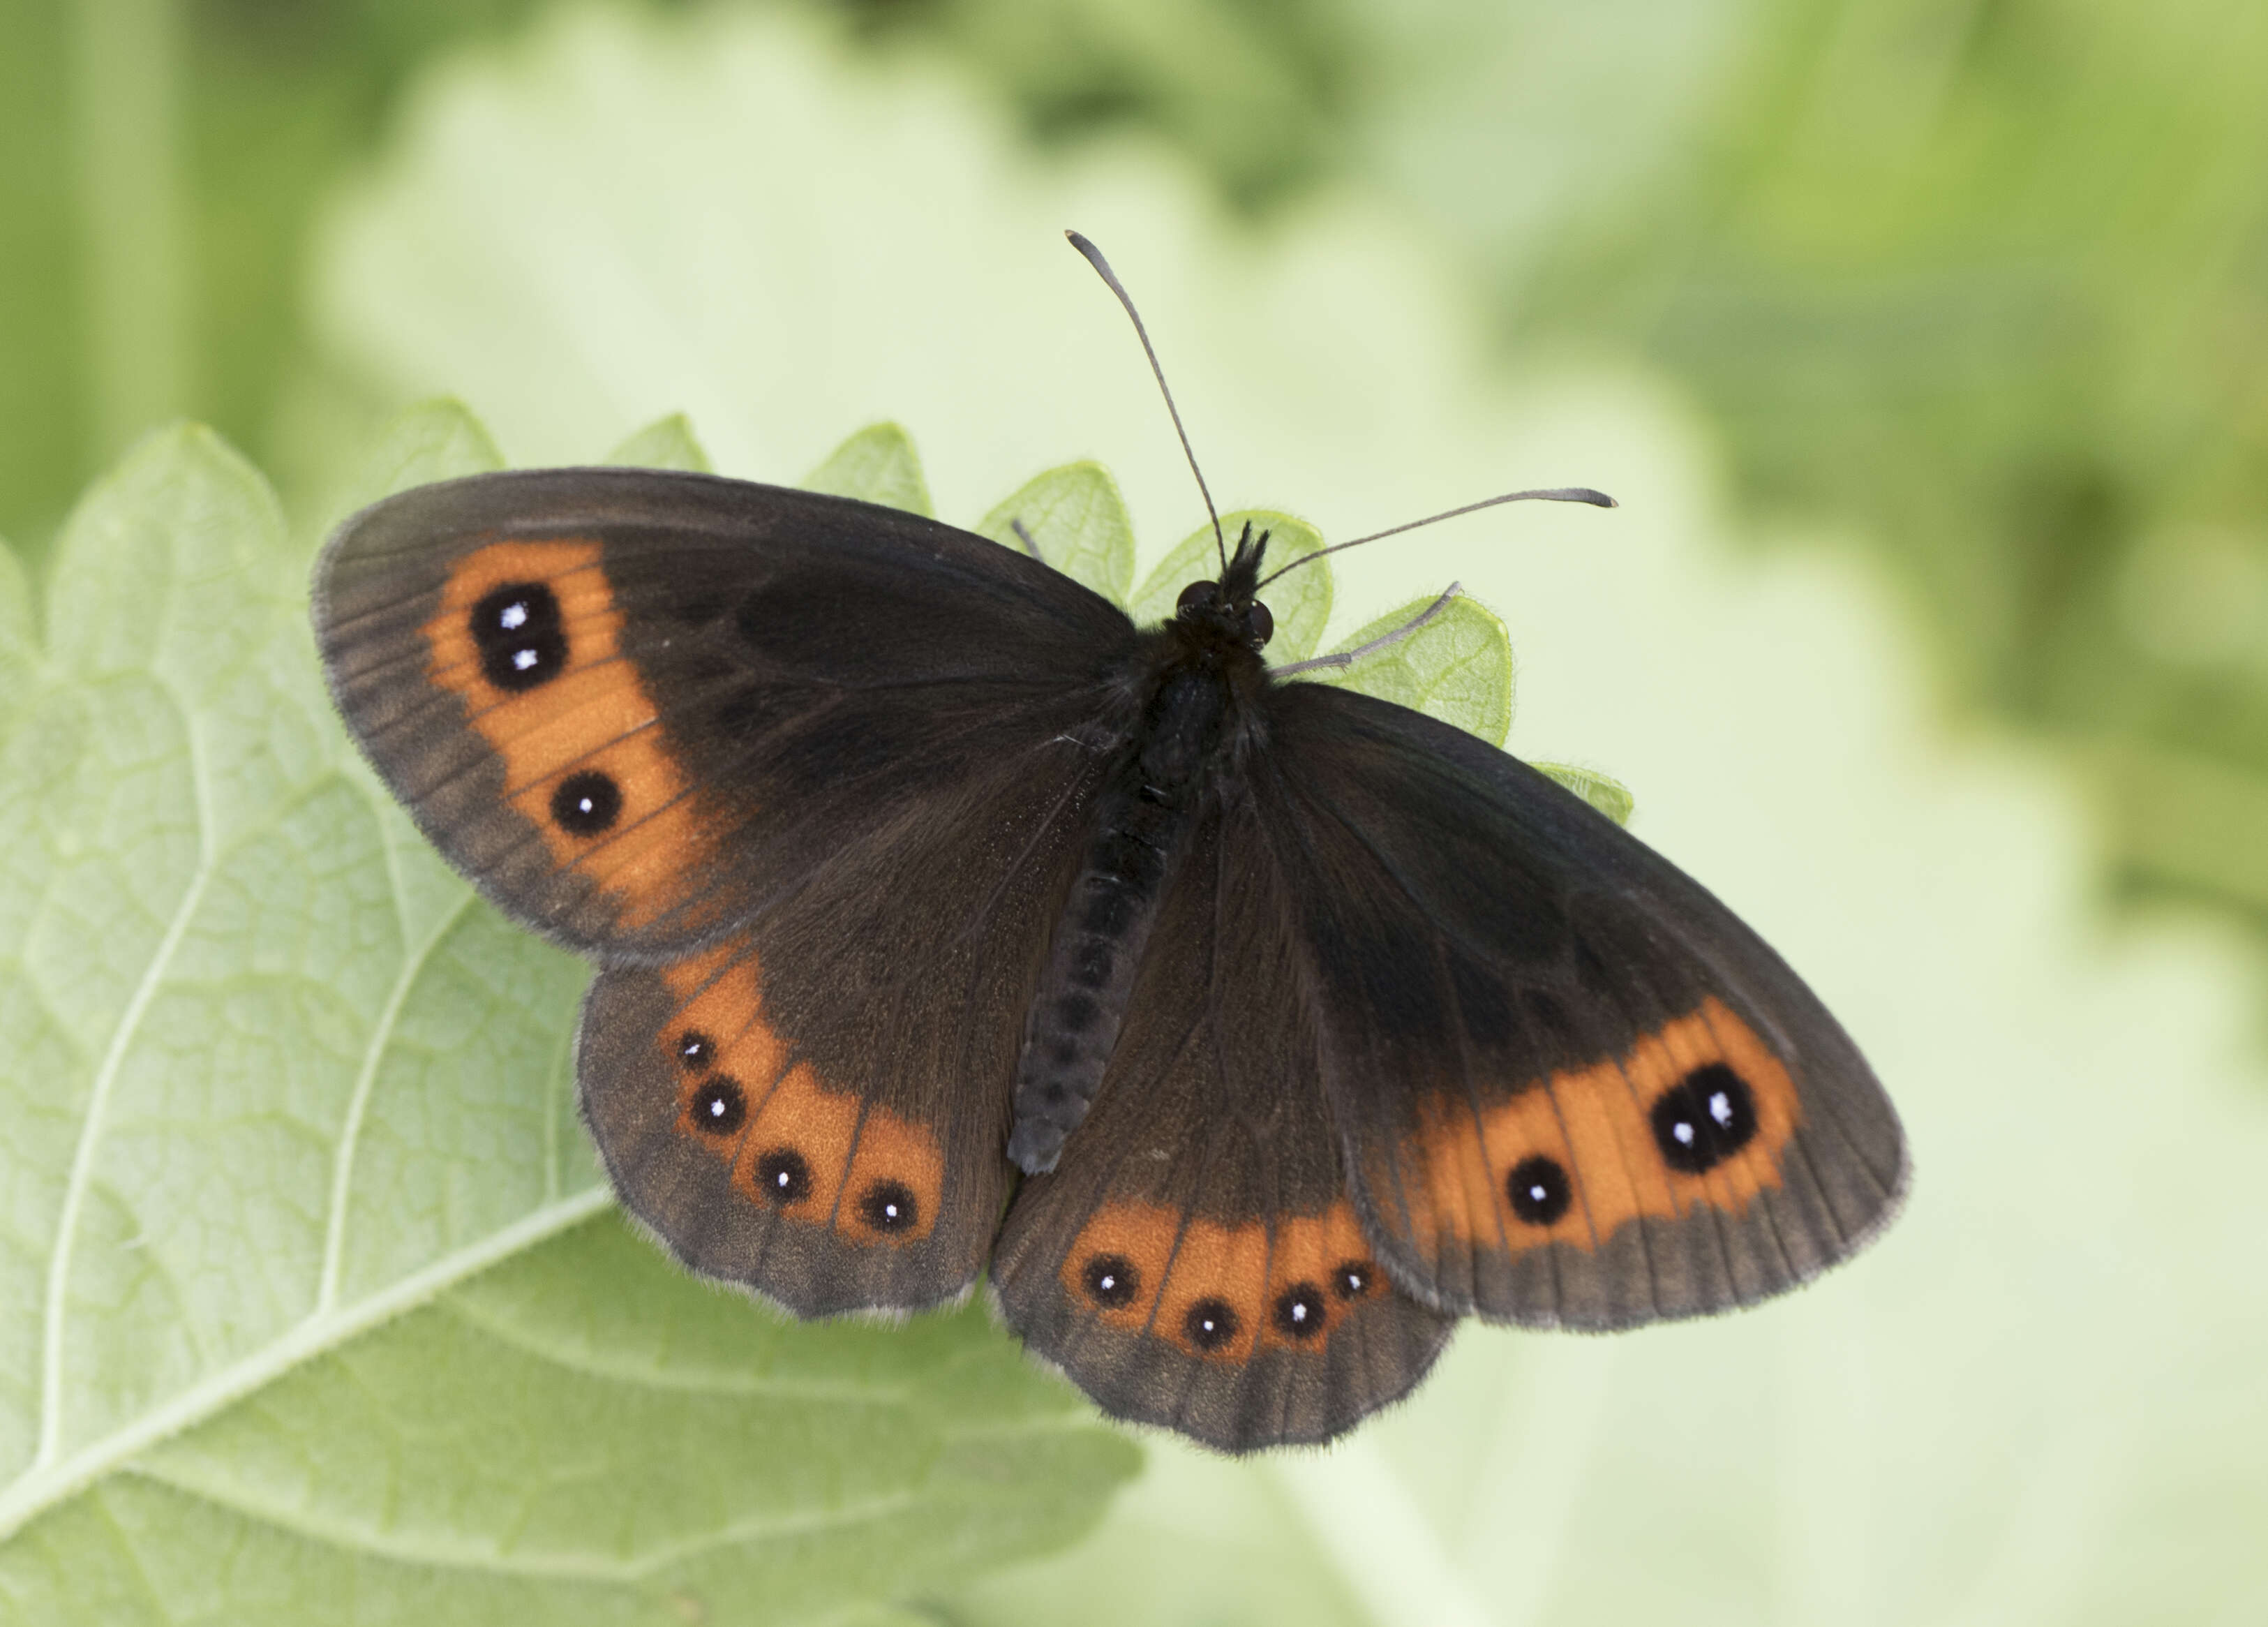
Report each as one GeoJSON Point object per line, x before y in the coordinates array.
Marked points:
{"type": "Point", "coordinates": [817, 1108]}
{"type": "Point", "coordinates": [1575, 1088]}
{"type": "Point", "coordinates": [1195, 1260]}
{"type": "Point", "coordinates": [805, 774]}
{"type": "Point", "coordinates": [631, 706]}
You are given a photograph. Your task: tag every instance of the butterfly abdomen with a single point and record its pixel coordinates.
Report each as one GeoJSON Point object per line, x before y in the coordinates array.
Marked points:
{"type": "Point", "coordinates": [1140, 821]}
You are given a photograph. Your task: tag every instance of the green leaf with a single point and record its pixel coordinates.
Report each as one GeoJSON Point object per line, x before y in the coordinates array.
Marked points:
{"type": "Point", "coordinates": [877, 465]}
{"type": "Point", "coordinates": [277, 1091]}
{"type": "Point", "coordinates": [1457, 667]}
{"type": "Point", "coordinates": [1301, 603]}
{"type": "Point", "coordinates": [439, 439]}
{"type": "Point", "coordinates": [1077, 523]}
{"type": "Point", "coordinates": [17, 648]}
{"type": "Point", "coordinates": [665, 444]}
{"type": "Point", "coordinates": [1609, 795]}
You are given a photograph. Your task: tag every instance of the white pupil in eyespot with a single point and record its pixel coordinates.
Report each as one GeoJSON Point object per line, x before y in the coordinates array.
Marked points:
{"type": "Point", "coordinates": [1298, 1310]}
{"type": "Point", "coordinates": [1537, 1193]}
{"type": "Point", "coordinates": [1720, 1109]}
{"type": "Point", "coordinates": [522, 660]}
{"type": "Point", "coordinates": [514, 617]}
{"type": "Point", "coordinates": [1684, 1132]}
{"type": "Point", "coordinates": [717, 1108]}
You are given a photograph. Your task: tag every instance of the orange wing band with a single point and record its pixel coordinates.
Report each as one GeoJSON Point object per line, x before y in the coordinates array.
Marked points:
{"type": "Point", "coordinates": [817, 1154]}
{"type": "Point", "coordinates": [588, 723]}
{"type": "Point", "coordinates": [1217, 1291]}
{"type": "Point", "coordinates": [1696, 1114]}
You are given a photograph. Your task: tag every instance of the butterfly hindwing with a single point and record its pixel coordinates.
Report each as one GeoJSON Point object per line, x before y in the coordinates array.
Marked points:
{"type": "Point", "coordinates": [817, 1108]}
{"type": "Point", "coordinates": [631, 705]}
{"type": "Point", "coordinates": [1194, 1260]}
{"type": "Point", "coordinates": [1576, 1090]}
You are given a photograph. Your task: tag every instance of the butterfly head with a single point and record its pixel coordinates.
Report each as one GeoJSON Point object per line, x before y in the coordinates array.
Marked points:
{"type": "Point", "coordinates": [1227, 608]}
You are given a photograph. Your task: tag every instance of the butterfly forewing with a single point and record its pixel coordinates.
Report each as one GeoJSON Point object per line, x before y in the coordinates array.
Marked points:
{"type": "Point", "coordinates": [1575, 1089]}
{"type": "Point", "coordinates": [631, 705]}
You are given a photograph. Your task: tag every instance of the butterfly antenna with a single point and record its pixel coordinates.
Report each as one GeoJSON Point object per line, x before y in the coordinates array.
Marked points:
{"type": "Point", "coordinates": [1348, 657]}
{"type": "Point", "coordinates": [1549, 494]}
{"type": "Point", "coordinates": [1102, 269]}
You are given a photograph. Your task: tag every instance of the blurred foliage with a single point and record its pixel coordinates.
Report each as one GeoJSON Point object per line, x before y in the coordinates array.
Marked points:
{"type": "Point", "coordinates": [1991, 280]}
{"type": "Point", "coordinates": [1986, 279]}
{"type": "Point", "coordinates": [1260, 94]}
{"type": "Point", "coordinates": [160, 161]}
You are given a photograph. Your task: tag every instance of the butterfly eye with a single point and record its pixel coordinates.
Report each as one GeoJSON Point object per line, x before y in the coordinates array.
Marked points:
{"type": "Point", "coordinates": [1260, 624]}
{"type": "Point", "coordinates": [1195, 594]}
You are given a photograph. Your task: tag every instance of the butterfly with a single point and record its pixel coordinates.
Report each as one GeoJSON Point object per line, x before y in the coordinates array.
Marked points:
{"type": "Point", "coordinates": [1250, 1031]}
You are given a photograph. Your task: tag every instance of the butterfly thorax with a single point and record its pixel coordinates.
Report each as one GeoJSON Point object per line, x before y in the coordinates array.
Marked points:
{"type": "Point", "coordinates": [1196, 681]}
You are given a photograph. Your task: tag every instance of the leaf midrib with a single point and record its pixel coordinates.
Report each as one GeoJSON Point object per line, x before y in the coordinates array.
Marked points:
{"type": "Point", "coordinates": [42, 1488]}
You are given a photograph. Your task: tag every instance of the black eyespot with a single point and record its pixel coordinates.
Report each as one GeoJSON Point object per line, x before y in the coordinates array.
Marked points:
{"type": "Point", "coordinates": [516, 629]}
{"type": "Point", "coordinates": [1195, 594]}
{"type": "Point", "coordinates": [1538, 1189]}
{"type": "Point", "coordinates": [889, 1206]}
{"type": "Point", "coordinates": [1299, 1311]}
{"type": "Point", "coordinates": [783, 1176]}
{"type": "Point", "coordinates": [1353, 1278]}
{"type": "Point", "coordinates": [719, 1106]}
{"type": "Point", "coordinates": [696, 1051]}
{"type": "Point", "coordinates": [1703, 1119]}
{"type": "Point", "coordinates": [1210, 1324]}
{"type": "Point", "coordinates": [1110, 1281]}
{"type": "Point", "coordinates": [586, 803]}
{"type": "Point", "coordinates": [1260, 624]}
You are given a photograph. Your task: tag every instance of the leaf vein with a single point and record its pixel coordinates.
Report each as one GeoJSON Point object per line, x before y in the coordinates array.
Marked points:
{"type": "Point", "coordinates": [43, 1486]}
{"type": "Point", "coordinates": [502, 1330]}
{"type": "Point", "coordinates": [411, 1550]}
{"type": "Point", "coordinates": [349, 1142]}
{"type": "Point", "coordinates": [105, 1080]}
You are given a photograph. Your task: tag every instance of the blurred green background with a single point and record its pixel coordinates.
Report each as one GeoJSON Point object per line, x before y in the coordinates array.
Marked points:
{"type": "Point", "coordinates": [1982, 285]}
{"type": "Point", "coordinates": [1938, 330]}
